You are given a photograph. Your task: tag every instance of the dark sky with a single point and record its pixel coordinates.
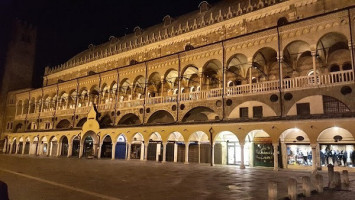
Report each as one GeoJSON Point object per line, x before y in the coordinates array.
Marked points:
{"type": "Point", "coordinates": [67, 27]}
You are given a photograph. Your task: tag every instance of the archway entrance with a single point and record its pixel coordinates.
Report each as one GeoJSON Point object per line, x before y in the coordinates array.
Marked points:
{"type": "Point", "coordinates": [337, 147]}
{"type": "Point", "coordinates": [137, 147]}
{"type": "Point", "coordinates": [27, 146]}
{"type": "Point", "coordinates": [20, 146]}
{"type": "Point", "coordinates": [296, 150]}
{"type": "Point", "coordinates": [258, 149]}
{"type": "Point", "coordinates": [199, 149]}
{"type": "Point", "coordinates": [106, 148]}
{"type": "Point", "coordinates": [76, 146]}
{"type": "Point", "coordinates": [44, 146]}
{"type": "Point", "coordinates": [34, 146]}
{"type": "Point", "coordinates": [14, 145]}
{"type": "Point", "coordinates": [154, 151]}
{"type": "Point", "coordinates": [120, 152]}
{"type": "Point", "coordinates": [64, 147]}
{"type": "Point", "coordinates": [88, 150]}
{"type": "Point", "coordinates": [53, 147]}
{"type": "Point", "coordinates": [227, 149]}
{"type": "Point", "coordinates": [175, 148]}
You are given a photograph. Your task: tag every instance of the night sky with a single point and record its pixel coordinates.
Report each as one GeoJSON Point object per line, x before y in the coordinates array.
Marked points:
{"type": "Point", "coordinates": [67, 27]}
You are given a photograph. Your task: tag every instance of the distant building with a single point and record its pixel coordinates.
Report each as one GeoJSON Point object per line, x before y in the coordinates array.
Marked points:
{"type": "Point", "coordinates": [19, 66]}
{"type": "Point", "coordinates": [257, 83]}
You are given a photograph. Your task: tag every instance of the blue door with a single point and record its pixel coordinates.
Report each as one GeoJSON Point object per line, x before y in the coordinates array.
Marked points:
{"type": "Point", "coordinates": [120, 150]}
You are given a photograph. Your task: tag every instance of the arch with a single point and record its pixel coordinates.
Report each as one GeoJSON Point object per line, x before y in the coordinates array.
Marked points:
{"type": "Point", "coordinates": [227, 148]}
{"type": "Point", "coordinates": [154, 150]}
{"type": "Point", "coordinates": [295, 147]}
{"type": "Point", "coordinates": [106, 147]}
{"type": "Point", "coordinates": [176, 137]}
{"type": "Point", "coordinates": [138, 87]}
{"type": "Point", "coordinates": [137, 147]}
{"type": "Point", "coordinates": [81, 122]}
{"type": "Point", "coordinates": [129, 119]}
{"type": "Point", "coordinates": [171, 80]}
{"type": "Point", "coordinates": [27, 145]}
{"type": "Point", "coordinates": [212, 71]}
{"type": "Point", "coordinates": [199, 147]}
{"type": "Point", "coordinates": [328, 136]}
{"type": "Point", "coordinates": [89, 142]}
{"type": "Point", "coordinates": [334, 105]}
{"type": "Point", "coordinates": [106, 121]}
{"type": "Point", "coordinates": [154, 84]}
{"type": "Point", "coordinates": [64, 148]}
{"type": "Point", "coordinates": [53, 146]}
{"type": "Point", "coordinates": [75, 146]}
{"type": "Point", "coordinates": [121, 147]}
{"type": "Point", "coordinates": [161, 117]}
{"type": "Point", "coordinates": [19, 107]}
{"type": "Point", "coordinates": [199, 136]}
{"type": "Point", "coordinates": [190, 77]}
{"type": "Point", "coordinates": [237, 67]}
{"type": "Point", "coordinates": [18, 127]}
{"type": "Point", "coordinates": [64, 124]}
{"type": "Point", "coordinates": [199, 114]}
{"type": "Point", "coordinates": [264, 62]}
{"type": "Point", "coordinates": [329, 43]}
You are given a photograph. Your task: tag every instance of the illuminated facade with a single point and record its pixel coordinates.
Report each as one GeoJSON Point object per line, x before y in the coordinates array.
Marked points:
{"type": "Point", "coordinates": [257, 83]}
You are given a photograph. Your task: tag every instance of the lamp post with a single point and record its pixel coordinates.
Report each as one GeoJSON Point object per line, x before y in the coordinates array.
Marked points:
{"type": "Point", "coordinates": [211, 139]}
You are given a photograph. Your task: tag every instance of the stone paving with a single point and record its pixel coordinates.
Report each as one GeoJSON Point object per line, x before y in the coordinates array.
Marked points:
{"type": "Point", "coordinates": [71, 178]}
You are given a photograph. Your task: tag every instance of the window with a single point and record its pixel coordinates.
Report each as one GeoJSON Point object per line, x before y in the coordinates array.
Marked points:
{"type": "Point", "coordinates": [303, 109]}
{"type": "Point", "coordinates": [333, 105]}
{"type": "Point", "coordinates": [47, 125]}
{"type": "Point", "coordinates": [257, 112]}
{"type": "Point", "coordinates": [243, 112]}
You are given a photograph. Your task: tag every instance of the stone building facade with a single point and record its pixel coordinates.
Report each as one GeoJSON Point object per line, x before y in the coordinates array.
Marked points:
{"type": "Point", "coordinates": [247, 82]}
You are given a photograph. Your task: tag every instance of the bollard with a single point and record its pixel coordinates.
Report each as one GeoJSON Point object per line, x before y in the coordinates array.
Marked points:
{"type": "Point", "coordinates": [3, 191]}
{"type": "Point", "coordinates": [292, 189]}
{"type": "Point", "coordinates": [306, 186]}
{"type": "Point", "coordinates": [330, 174]}
{"type": "Point", "coordinates": [336, 183]}
{"type": "Point", "coordinates": [272, 188]}
{"type": "Point", "coordinates": [345, 178]}
{"type": "Point", "coordinates": [319, 183]}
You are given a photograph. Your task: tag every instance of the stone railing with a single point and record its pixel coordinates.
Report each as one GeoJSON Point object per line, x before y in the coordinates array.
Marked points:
{"type": "Point", "coordinates": [334, 78]}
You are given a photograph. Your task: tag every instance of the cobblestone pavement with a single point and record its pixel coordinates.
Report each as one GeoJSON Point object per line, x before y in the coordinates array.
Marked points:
{"type": "Point", "coordinates": [70, 178]}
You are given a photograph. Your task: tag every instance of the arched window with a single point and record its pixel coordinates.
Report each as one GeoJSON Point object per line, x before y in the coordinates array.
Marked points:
{"type": "Point", "coordinates": [333, 105]}
{"type": "Point", "coordinates": [189, 47]}
{"type": "Point", "coordinates": [334, 68]}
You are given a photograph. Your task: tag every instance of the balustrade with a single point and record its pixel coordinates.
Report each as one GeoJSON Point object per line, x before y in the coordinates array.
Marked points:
{"type": "Point", "coordinates": [295, 83]}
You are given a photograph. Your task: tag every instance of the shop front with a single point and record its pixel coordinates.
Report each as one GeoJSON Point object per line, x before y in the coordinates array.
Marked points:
{"type": "Point", "coordinates": [263, 152]}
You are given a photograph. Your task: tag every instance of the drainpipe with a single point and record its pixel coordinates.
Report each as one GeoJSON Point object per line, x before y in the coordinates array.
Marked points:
{"type": "Point", "coordinates": [351, 42]}
{"type": "Point", "coordinates": [145, 90]}
{"type": "Point", "coordinates": [179, 86]}
{"type": "Point", "coordinates": [224, 81]}
{"type": "Point", "coordinates": [280, 70]}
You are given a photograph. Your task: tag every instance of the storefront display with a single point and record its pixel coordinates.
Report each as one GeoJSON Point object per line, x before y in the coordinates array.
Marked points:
{"type": "Point", "coordinates": [337, 155]}
{"type": "Point", "coordinates": [263, 154]}
{"type": "Point", "coordinates": [299, 154]}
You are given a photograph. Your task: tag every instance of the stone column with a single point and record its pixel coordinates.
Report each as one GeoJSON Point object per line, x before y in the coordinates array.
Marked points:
{"type": "Point", "coordinates": [59, 149]}
{"type": "Point", "coordinates": [242, 166]}
{"type": "Point", "coordinates": [113, 154]}
{"type": "Point", "coordinates": [284, 154]}
{"type": "Point", "coordinates": [23, 148]}
{"type": "Point", "coordinates": [99, 154]}
{"type": "Point", "coordinates": [314, 158]}
{"type": "Point", "coordinates": [250, 79]}
{"type": "Point", "coordinates": [212, 156]}
{"type": "Point", "coordinates": [5, 146]}
{"type": "Point", "coordinates": [17, 146]}
{"type": "Point", "coordinates": [11, 148]}
{"type": "Point", "coordinates": [164, 152]}
{"type": "Point", "coordinates": [95, 147]}
{"type": "Point", "coordinates": [199, 152]}
{"type": "Point", "coordinates": [276, 158]}
{"type": "Point", "coordinates": [157, 153]}
{"type": "Point", "coordinates": [70, 149]}
{"type": "Point", "coordinates": [145, 149]}
{"type": "Point", "coordinates": [314, 54]}
{"type": "Point", "coordinates": [128, 157]}
{"type": "Point", "coordinates": [81, 150]}
{"type": "Point", "coordinates": [187, 152]}
{"type": "Point", "coordinates": [175, 152]}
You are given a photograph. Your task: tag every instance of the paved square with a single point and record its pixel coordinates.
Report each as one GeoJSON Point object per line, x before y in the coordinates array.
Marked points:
{"type": "Point", "coordinates": [70, 178]}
